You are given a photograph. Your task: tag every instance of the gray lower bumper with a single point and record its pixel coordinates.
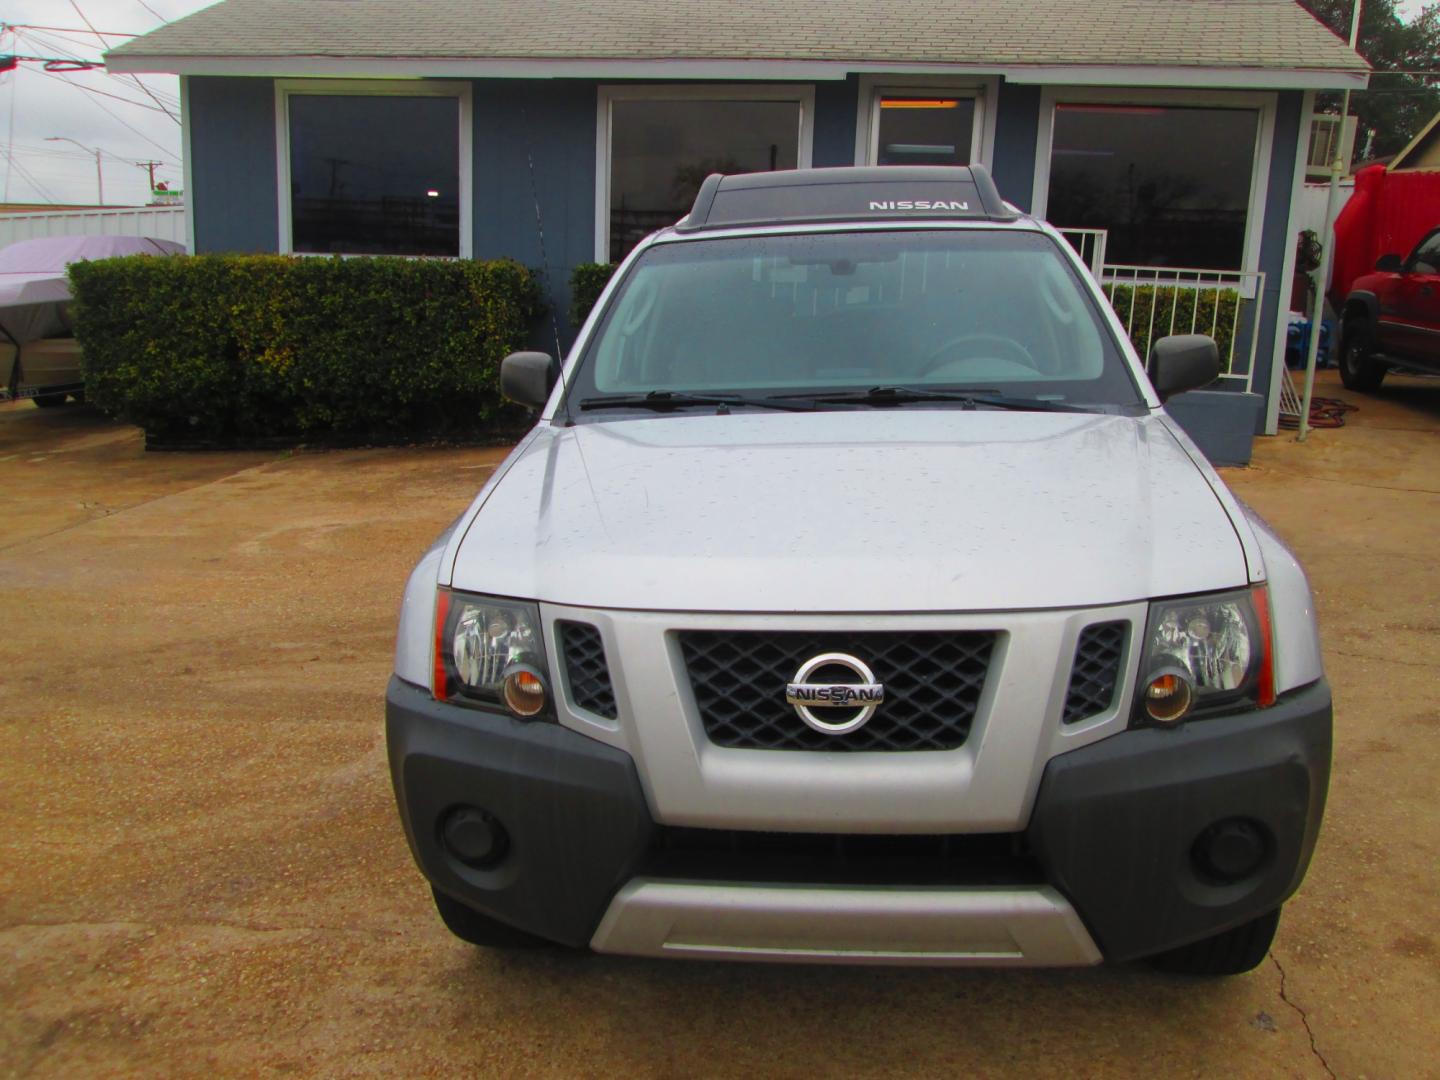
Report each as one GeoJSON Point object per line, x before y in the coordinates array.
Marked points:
{"type": "Point", "coordinates": [1025, 927]}
{"type": "Point", "coordinates": [1111, 840]}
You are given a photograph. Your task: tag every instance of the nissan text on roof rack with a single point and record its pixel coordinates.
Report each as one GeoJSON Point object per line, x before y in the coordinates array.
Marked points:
{"type": "Point", "coordinates": [854, 599]}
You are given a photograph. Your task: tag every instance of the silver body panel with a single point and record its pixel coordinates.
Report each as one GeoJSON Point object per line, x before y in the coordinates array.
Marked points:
{"type": "Point", "coordinates": [1032, 525]}
{"type": "Point", "coordinates": [1011, 927]}
{"type": "Point", "coordinates": [986, 785]}
{"type": "Point", "coordinates": [944, 510]}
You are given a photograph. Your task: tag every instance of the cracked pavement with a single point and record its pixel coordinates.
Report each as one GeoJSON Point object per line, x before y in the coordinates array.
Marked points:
{"type": "Point", "coordinates": [202, 873]}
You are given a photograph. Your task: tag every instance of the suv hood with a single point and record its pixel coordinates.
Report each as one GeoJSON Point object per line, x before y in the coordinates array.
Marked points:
{"type": "Point", "coordinates": [909, 509]}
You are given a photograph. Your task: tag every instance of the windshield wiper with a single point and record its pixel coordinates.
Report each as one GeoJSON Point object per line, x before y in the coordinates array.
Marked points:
{"type": "Point", "coordinates": [969, 399]}
{"type": "Point", "coordinates": [671, 399]}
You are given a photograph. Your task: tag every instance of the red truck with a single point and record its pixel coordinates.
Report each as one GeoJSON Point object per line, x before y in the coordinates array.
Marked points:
{"type": "Point", "coordinates": [1386, 283]}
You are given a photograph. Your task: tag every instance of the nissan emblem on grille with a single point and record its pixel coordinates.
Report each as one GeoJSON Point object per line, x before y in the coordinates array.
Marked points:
{"type": "Point", "coordinates": [858, 699]}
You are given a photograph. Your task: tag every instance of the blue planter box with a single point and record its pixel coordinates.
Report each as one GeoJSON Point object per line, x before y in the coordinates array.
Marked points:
{"type": "Point", "coordinates": [1221, 423]}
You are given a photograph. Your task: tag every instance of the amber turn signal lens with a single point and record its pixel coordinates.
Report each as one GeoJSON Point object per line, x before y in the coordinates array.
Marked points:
{"type": "Point", "coordinates": [1167, 698]}
{"type": "Point", "coordinates": [524, 693]}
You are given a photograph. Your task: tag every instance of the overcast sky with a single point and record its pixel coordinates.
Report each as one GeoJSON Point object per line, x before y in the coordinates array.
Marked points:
{"type": "Point", "coordinates": [36, 106]}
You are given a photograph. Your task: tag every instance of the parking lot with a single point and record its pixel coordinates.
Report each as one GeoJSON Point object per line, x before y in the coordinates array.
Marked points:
{"type": "Point", "coordinates": [201, 869]}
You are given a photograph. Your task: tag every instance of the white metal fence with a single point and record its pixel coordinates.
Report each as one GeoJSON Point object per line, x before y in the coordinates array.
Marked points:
{"type": "Point", "coordinates": [158, 222]}
{"type": "Point", "coordinates": [1156, 301]}
{"type": "Point", "coordinates": [1089, 244]}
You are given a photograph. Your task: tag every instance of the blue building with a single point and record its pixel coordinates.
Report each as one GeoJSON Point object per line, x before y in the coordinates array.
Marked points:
{"type": "Point", "coordinates": [1171, 135]}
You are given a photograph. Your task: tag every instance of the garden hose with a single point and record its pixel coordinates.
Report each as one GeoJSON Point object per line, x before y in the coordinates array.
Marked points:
{"type": "Point", "coordinates": [1325, 412]}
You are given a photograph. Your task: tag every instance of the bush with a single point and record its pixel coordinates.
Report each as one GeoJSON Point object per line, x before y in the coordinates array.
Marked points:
{"type": "Point", "coordinates": [227, 348]}
{"type": "Point", "coordinates": [587, 282]}
{"type": "Point", "coordinates": [1179, 304]}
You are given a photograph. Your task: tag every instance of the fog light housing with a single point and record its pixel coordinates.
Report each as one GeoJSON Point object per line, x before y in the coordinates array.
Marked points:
{"type": "Point", "coordinates": [1168, 696]}
{"type": "Point", "coordinates": [1231, 850]}
{"type": "Point", "coordinates": [473, 837]}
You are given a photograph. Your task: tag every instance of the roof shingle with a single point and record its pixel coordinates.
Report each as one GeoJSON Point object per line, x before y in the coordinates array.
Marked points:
{"type": "Point", "coordinates": [1266, 34]}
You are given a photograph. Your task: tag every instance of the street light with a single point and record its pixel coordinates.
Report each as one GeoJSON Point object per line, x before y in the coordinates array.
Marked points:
{"type": "Point", "coordinates": [99, 175]}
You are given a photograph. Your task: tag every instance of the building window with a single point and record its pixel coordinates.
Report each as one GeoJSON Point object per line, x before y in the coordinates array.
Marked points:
{"type": "Point", "coordinates": [1170, 184]}
{"type": "Point", "coordinates": [924, 130]}
{"type": "Point", "coordinates": [373, 174]}
{"type": "Point", "coordinates": [664, 142]}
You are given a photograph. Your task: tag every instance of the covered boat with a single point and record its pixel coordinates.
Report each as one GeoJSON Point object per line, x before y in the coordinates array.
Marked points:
{"type": "Point", "coordinates": [38, 354]}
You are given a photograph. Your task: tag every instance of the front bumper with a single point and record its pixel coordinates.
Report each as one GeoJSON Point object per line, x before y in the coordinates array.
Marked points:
{"type": "Point", "coordinates": [1111, 832]}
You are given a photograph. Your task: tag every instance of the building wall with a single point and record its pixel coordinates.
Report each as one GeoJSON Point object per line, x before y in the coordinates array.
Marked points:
{"type": "Point", "coordinates": [534, 182]}
{"type": "Point", "coordinates": [1275, 237]}
{"type": "Point", "coordinates": [232, 192]}
{"type": "Point", "coordinates": [1016, 129]}
{"type": "Point", "coordinates": [534, 174]}
{"type": "Point", "coordinates": [836, 104]}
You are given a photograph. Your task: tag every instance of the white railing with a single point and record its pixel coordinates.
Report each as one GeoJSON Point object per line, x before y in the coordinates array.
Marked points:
{"type": "Point", "coordinates": [1089, 244]}
{"type": "Point", "coordinates": [1156, 301]}
{"type": "Point", "coordinates": [158, 222]}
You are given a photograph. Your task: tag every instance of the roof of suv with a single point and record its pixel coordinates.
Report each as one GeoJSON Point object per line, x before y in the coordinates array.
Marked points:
{"type": "Point", "coordinates": [881, 193]}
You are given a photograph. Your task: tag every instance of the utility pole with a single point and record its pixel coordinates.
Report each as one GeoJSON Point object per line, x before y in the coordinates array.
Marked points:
{"type": "Point", "coordinates": [150, 167]}
{"type": "Point", "coordinates": [99, 172]}
{"type": "Point", "coordinates": [1327, 248]}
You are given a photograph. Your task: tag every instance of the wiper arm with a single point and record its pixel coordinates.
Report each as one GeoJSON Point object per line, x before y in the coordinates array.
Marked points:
{"type": "Point", "coordinates": [970, 399]}
{"type": "Point", "coordinates": [661, 400]}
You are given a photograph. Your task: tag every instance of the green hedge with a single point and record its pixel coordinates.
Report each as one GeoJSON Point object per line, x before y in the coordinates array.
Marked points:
{"type": "Point", "coordinates": [227, 348]}
{"type": "Point", "coordinates": [587, 282]}
{"type": "Point", "coordinates": [1181, 304]}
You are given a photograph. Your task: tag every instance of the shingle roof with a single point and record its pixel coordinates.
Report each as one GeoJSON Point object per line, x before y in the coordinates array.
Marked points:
{"type": "Point", "coordinates": [1253, 34]}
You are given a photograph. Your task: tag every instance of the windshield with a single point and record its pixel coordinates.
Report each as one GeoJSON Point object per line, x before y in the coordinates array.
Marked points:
{"type": "Point", "coordinates": [982, 312]}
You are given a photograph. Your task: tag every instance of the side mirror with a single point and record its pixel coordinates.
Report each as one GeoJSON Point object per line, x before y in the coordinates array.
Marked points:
{"type": "Point", "coordinates": [1390, 264]}
{"type": "Point", "coordinates": [527, 378]}
{"type": "Point", "coordinates": [1183, 362]}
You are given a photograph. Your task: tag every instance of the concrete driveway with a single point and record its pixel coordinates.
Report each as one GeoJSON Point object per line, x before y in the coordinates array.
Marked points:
{"type": "Point", "coordinates": [201, 869]}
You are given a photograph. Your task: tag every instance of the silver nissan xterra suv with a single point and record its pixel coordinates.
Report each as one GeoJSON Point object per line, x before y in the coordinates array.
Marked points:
{"type": "Point", "coordinates": [855, 599]}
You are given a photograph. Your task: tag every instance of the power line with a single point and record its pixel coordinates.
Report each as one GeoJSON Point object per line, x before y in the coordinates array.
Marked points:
{"type": "Point", "coordinates": [152, 11]}
{"type": "Point", "coordinates": [63, 49]}
{"type": "Point", "coordinates": [70, 30]}
{"type": "Point", "coordinates": [111, 113]}
{"type": "Point", "coordinates": [104, 93]}
{"type": "Point", "coordinates": [25, 175]}
{"type": "Point", "coordinates": [106, 45]}
{"type": "Point", "coordinates": [10, 131]}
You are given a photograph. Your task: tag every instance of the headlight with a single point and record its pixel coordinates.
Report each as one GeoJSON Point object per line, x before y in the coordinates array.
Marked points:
{"type": "Point", "coordinates": [1205, 652]}
{"type": "Point", "coordinates": [490, 651]}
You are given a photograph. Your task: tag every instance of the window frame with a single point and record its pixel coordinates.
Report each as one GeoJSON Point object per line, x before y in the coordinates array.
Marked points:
{"type": "Point", "coordinates": [1263, 103]}
{"type": "Point", "coordinates": [1413, 258]}
{"type": "Point", "coordinates": [983, 92]}
{"type": "Point", "coordinates": [285, 89]}
{"type": "Point", "coordinates": [802, 94]}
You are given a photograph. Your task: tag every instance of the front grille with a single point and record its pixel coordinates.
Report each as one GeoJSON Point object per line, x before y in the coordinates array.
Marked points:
{"type": "Point", "coordinates": [585, 668]}
{"type": "Point", "coordinates": [1096, 671]}
{"type": "Point", "coordinates": [841, 858]}
{"type": "Point", "coordinates": [932, 685]}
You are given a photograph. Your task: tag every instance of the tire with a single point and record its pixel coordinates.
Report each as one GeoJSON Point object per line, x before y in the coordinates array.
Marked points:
{"type": "Point", "coordinates": [470, 925]}
{"type": "Point", "coordinates": [48, 401]}
{"type": "Point", "coordinates": [1234, 952]}
{"type": "Point", "coordinates": [1359, 370]}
